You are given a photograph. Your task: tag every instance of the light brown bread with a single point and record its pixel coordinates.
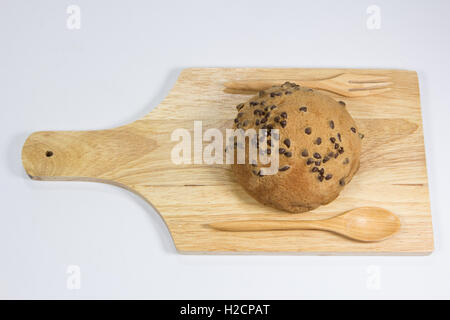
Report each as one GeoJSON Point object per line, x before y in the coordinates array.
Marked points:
{"type": "Point", "coordinates": [319, 147]}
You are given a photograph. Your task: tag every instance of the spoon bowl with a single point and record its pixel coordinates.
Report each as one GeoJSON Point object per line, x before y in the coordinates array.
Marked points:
{"type": "Point", "coordinates": [369, 224]}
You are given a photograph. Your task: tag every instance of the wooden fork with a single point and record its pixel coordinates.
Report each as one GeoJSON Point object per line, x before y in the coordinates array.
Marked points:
{"type": "Point", "coordinates": [345, 84]}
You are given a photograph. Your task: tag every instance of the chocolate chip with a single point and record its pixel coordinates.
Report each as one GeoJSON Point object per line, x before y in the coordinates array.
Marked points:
{"type": "Point", "coordinates": [281, 150]}
{"type": "Point", "coordinates": [267, 114]}
{"type": "Point", "coordinates": [263, 120]}
{"type": "Point", "coordinates": [239, 106]}
{"type": "Point", "coordinates": [342, 103]}
{"type": "Point", "coordinates": [268, 151]}
{"type": "Point", "coordinates": [266, 109]}
{"type": "Point", "coordinates": [245, 123]}
{"type": "Point", "coordinates": [320, 177]}
{"type": "Point", "coordinates": [339, 137]}
{"type": "Point", "coordinates": [317, 155]}
{"type": "Point", "coordinates": [240, 114]}
{"type": "Point", "coordinates": [303, 109]}
{"type": "Point", "coordinates": [353, 129]}
{"type": "Point", "coordinates": [328, 176]}
{"type": "Point", "coordinates": [283, 123]}
{"type": "Point", "coordinates": [254, 164]}
{"type": "Point", "coordinates": [318, 141]}
{"type": "Point", "coordinates": [309, 161]}
{"type": "Point", "coordinates": [284, 168]}
{"type": "Point", "coordinates": [236, 120]}
{"type": "Point", "coordinates": [287, 142]}
{"type": "Point", "coordinates": [341, 150]}
{"type": "Point", "coordinates": [336, 155]}
{"type": "Point", "coordinates": [336, 146]}
{"type": "Point", "coordinates": [332, 124]}
{"type": "Point", "coordinates": [308, 130]}
{"type": "Point", "coordinates": [318, 162]}
{"type": "Point", "coordinates": [361, 136]}
{"type": "Point", "coordinates": [274, 94]}
{"type": "Point", "coordinates": [305, 153]}
{"type": "Point", "coordinates": [269, 143]}
{"type": "Point", "coordinates": [253, 103]}
{"type": "Point", "coordinates": [257, 122]}
{"type": "Point", "coordinates": [288, 154]}
{"type": "Point", "coordinates": [333, 139]}
{"type": "Point", "coordinates": [287, 92]}
{"type": "Point", "coordinates": [321, 171]}
{"type": "Point", "coordinates": [273, 107]}
{"type": "Point", "coordinates": [325, 159]}
{"type": "Point", "coordinates": [283, 115]}
{"type": "Point", "coordinates": [257, 112]}
{"type": "Point", "coordinates": [276, 119]}
{"type": "Point", "coordinates": [342, 182]}
{"type": "Point", "coordinates": [315, 169]}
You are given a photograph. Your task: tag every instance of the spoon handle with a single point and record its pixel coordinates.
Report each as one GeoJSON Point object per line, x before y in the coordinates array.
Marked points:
{"type": "Point", "coordinates": [267, 225]}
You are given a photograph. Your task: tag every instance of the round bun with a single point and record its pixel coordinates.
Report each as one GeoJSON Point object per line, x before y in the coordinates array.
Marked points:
{"type": "Point", "coordinates": [319, 147]}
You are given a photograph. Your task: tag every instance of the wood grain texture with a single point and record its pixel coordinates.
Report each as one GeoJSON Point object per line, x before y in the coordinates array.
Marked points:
{"type": "Point", "coordinates": [189, 197]}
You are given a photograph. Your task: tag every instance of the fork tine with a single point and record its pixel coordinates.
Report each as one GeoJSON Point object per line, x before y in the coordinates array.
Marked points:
{"type": "Point", "coordinates": [367, 92]}
{"type": "Point", "coordinates": [370, 85]}
{"type": "Point", "coordinates": [362, 78]}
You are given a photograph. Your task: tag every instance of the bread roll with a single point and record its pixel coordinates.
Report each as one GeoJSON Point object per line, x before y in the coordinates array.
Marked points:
{"type": "Point", "coordinates": [319, 147]}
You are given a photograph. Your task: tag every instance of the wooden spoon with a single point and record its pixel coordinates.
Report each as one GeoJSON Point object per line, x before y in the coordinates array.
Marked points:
{"type": "Point", "coordinates": [366, 224]}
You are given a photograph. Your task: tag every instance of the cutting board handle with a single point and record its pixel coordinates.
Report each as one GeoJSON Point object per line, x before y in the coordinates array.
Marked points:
{"type": "Point", "coordinates": [84, 155]}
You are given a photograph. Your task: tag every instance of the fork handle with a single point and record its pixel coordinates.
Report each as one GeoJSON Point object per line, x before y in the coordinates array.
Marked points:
{"type": "Point", "coordinates": [257, 85]}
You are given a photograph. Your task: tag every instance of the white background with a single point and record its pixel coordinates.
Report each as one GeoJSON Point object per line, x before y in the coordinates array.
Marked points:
{"type": "Point", "coordinates": [119, 66]}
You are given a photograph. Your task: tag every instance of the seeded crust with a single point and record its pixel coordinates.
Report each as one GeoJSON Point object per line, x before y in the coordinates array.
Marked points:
{"type": "Point", "coordinates": [319, 158]}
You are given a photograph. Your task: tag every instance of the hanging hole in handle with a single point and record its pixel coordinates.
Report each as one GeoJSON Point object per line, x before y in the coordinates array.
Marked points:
{"type": "Point", "coordinates": [49, 153]}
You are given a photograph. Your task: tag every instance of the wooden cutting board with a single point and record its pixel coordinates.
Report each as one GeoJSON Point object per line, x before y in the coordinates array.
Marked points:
{"type": "Point", "coordinates": [137, 157]}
